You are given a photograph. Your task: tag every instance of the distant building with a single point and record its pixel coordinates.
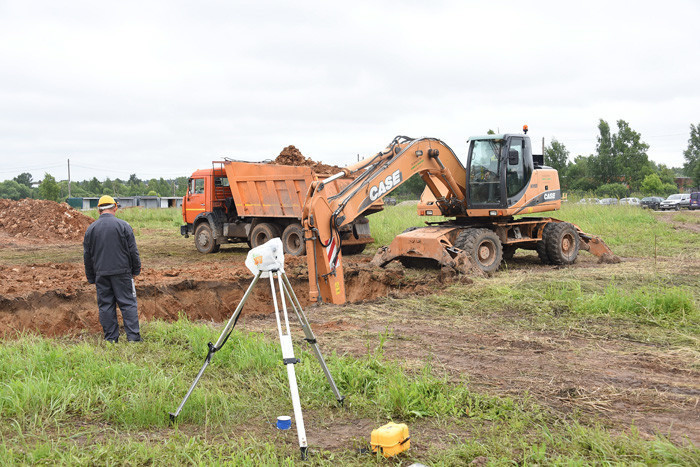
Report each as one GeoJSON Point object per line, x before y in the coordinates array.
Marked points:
{"type": "Point", "coordinates": [148, 202]}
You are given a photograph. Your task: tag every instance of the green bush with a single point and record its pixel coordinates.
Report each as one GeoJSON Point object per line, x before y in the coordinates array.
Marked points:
{"type": "Point", "coordinates": [613, 190]}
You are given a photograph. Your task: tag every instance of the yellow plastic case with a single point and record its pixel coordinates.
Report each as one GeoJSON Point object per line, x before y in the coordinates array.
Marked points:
{"type": "Point", "coordinates": [390, 439]}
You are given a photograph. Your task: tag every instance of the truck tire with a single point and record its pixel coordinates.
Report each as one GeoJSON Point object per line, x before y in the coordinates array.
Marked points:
{"type": "Point", "coordinates": [562, 243]}
{"type": "Point", "coordinates": [509, 252]}
{"type": "Point", "coordinates": [204, 239]}
{"type": "Point", "coordinates": [355, 249]}
{"type": "Point", "coordinates": [293, 240]}
{"type": "Point", "coordinates": [483, 246]}
{"type": "Point", "coordinates": [262, 233]}
{"type": "Point", "coordinates": [541, 246]}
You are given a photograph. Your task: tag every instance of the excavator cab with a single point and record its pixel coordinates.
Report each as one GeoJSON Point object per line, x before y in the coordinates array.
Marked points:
{"type": "Point", "coordinates": [499, 168]}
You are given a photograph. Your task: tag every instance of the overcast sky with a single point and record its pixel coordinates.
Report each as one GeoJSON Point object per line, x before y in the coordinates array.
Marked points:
{"type": "Point", "coordinates": [161, 88]}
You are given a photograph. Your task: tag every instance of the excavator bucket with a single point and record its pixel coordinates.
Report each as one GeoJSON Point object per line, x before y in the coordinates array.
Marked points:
{"type": "Point", "coordinates": [596, 246]}
{"type": "Point", "coordinates": [434, 243]}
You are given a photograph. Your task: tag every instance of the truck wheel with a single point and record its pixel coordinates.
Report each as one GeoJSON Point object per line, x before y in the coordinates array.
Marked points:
{"type": "Point", "coordinates": [562, 243]}
{"type": "Point", "coordinates": [263, 233]}
{"type": "Point", "coordinates": [483, 246]}
{"type": "Point", "coordinates": [204, 239]}
{"type": "Point", "coordinates": [293, 240]}
{"type": "Point", "coordinates": [355, 249]}
{"type": "Point", "coordinates": [541, 246]}
{"type": "Point", "coordinates": [509, 252]}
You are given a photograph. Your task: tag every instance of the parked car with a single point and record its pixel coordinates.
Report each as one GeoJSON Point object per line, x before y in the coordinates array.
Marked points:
{"type": "Point", "coordinates": [677, 201]}
{"type": "Point", "coordinates": [694, 200]}
{"type": "Point", "coordinates": [630, 201]}
{"type": "Point", "coordinates": [651, 202]}
{"type": "Point", "coordinates": [608, 201]}
{"type": "Point", "coordinates": [589, 201]}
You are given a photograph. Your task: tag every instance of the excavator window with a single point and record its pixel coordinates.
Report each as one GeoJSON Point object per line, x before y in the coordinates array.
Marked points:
{"type": "Point", "coordinates": [484, 171]}
{"type": "Point", "coordinates": [515, 172]}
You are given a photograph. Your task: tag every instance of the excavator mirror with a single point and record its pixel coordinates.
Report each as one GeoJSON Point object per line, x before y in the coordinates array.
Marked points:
{"type": "Point", "coordinates": [513, 156]}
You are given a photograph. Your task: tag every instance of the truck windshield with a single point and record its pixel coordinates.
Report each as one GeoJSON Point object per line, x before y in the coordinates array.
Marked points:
{"type": "Point", "coordinates": [484, 171]}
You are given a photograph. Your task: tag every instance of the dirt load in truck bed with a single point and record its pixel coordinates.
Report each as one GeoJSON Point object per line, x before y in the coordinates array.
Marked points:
{"type": "Point", "coordinates": [38, 219]}
{"type": "Point", "coordinates": [292, 156]}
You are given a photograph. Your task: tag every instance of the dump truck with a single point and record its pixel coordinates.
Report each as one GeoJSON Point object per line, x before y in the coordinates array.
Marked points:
{"type": "Point", "coordinates": [502, 179]}
{"type": "Point", "coordinates": [247, 202]}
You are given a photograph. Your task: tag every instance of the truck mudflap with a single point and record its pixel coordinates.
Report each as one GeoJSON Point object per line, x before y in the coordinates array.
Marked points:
{"type": "Point", "coordinates": [434, 243]}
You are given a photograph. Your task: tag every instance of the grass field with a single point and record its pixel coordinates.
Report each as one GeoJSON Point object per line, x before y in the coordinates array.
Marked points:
{"type": "Point", "coordinates": [77, 400]}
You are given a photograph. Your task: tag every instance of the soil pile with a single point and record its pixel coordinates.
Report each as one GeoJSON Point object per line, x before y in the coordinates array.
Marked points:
{"type": "Point", "coordinates": [292, 156]}
{"type": "Point", "coordinates": [42, 220]}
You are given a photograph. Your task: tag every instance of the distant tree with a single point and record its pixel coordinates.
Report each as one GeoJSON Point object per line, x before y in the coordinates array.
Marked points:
{"type": "Point", "coordinates": [94, 187]}
{"type": "Point", "coordinates": [10, 189]}
{"type": "Point", "coordinates": [578, 175]}
{"type": "Point", "coordinates": [620, 157]}
{"type": "Point", "coordinates": [24, 178]}
{"type": "Point", "coordinates": [603, 166]}
{"type": "Point", "coordinates": [630, 153]}
{"type": "Point", "coordinates": [652, 185]}
{"type": "Point", "coordinates": [48, 188]}
{"type": "Point", "coordinates": [666, 175]}
{"type": "Point", "coordinates": [490, 132]}
{"type": "Point", "coordinates": [152, 193]}
{"type": "Point", "coordinates": [410, 189]}
{"type": "Point", "coordinates": [556, 155]}
{"type": "Point", "coordinates": [692, 155]}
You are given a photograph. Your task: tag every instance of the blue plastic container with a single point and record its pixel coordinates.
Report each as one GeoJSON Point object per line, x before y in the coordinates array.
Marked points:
{"type": "Point", "coordinates": [284, 422]}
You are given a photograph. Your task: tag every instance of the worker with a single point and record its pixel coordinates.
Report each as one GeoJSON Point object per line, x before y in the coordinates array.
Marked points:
{"type": "Point", "coordinates": [111, 262]}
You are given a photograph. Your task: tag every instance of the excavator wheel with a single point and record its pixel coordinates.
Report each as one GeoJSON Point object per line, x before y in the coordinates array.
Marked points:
{"type": "Point", "coordinates": [541, 246]}
{"type": "Point", "coordinates": [293, 240]}
{"type": "Point", "coordinates": [204, 239]}
{"type": "Point", "coordinates": [562, 243]}
{"type": "Point", "coordinates": [483, 246]}
{"type": "Point", "coordinates": [262, 233]}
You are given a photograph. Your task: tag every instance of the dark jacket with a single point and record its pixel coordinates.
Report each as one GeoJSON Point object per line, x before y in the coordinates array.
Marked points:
{"type": "Point", "coordinates": [109, 248]}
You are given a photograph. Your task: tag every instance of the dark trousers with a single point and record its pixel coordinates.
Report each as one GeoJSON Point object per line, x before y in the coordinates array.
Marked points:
{"type": "Point", "coordinates": [113, 290]}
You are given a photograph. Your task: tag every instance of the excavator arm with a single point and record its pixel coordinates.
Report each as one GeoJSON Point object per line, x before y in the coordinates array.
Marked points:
{"type": "Point", "coordinates": [374, 178]}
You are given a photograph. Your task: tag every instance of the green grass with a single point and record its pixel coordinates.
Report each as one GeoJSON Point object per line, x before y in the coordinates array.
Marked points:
{"type": "Point", "coordinates": [141, 218]}
{"type": "Point", "coordinates": [86, 402]}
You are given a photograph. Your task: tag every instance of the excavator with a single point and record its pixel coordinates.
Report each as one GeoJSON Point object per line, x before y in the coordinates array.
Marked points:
{"type": "Point", "coordinates": [502, 179]}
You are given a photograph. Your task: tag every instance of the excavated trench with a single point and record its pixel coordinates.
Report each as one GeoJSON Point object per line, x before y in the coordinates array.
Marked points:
{"type": "Point", "coordinates": [55, 299]}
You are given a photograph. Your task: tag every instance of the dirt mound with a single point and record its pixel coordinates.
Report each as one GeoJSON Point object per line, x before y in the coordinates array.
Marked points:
{"type": "Point", "coordinates": [43, 220]}
{"type": "Point", "coordinates": [292, 156]}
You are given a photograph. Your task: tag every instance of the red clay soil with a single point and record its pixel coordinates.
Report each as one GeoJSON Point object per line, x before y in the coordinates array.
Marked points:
{"type": "Point", "coordinates": [56, 299]}
{"type": "Point", "coordinates": [292, 156]}
{"type": "Point", "coordinates": [42, 220]}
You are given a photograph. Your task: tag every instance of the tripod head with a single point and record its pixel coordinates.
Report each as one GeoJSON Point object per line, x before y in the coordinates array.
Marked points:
{"type": "Point", "coordinates": [266, 257]}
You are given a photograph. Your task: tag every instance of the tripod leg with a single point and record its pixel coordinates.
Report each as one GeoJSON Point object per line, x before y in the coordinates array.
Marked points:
{"type": "Point", "coordinates": [289, 361]}
{"type": "Point", "coordinates": [214, 348]}
{"type": "Point", "coordinates": [310, 337]}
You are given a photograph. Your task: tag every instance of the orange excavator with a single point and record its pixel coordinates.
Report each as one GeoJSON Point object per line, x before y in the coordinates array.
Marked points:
{"type": "Point", "coordinates": [502, 179]}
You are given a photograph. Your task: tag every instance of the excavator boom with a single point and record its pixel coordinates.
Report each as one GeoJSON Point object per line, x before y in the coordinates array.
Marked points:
{"type": "Point", "coordinates": [375, 177]}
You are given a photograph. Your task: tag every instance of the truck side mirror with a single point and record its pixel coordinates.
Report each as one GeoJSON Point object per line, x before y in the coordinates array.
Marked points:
{"type": "Point", "coordinates": [513, 157]}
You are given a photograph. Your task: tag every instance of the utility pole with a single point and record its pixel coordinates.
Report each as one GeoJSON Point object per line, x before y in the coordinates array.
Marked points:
{"type": "Point", "coordinates": [543, 147]}
{"type": "Point", "coordinates": [69, 178]}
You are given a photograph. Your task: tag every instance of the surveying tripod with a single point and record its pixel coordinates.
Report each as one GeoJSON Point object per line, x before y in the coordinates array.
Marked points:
{"type": "Point", "coordinates": [285, 341]}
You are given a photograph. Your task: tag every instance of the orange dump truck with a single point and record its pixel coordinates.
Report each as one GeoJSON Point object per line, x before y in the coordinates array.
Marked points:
{"type": "Point", "coordinates": [246, 202]}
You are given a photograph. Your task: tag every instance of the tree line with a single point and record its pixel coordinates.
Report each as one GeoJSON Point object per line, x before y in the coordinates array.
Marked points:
{"type": "Point", "coordinates": [23, 186]}
{"type": "Point", "coordinates": [620, 167]}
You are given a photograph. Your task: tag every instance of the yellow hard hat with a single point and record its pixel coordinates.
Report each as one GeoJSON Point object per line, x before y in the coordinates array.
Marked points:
{"type": "Point", "coordinates": [105, 200]}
